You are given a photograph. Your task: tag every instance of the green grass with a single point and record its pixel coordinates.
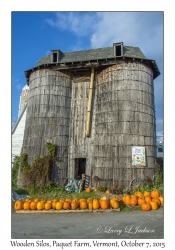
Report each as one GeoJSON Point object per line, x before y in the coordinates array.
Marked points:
{"type": "Point", "coordinates": [55, 193]}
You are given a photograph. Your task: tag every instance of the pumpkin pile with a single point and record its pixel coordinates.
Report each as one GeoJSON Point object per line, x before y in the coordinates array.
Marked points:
{"type": "Point", "coordinates": [147, 200]}
{"type": "Point", "coordinates": [68, 203]}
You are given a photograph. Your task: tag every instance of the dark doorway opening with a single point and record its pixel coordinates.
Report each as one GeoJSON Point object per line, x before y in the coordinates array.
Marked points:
{"type": "Point", "coordinates": [80, 167]}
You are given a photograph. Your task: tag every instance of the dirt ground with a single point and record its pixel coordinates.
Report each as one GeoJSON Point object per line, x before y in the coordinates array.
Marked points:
{"type": "Point", "coordinates": [100, 225]}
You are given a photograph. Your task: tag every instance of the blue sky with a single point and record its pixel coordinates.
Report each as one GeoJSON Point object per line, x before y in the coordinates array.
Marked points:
{"type": "Point", "coordinates": [35, 34]}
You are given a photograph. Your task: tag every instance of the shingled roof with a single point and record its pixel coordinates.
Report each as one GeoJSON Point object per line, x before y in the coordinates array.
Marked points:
{"type": "Point", "coordinates": [93, 54]}
{"type": "Point", "coordinates": [89, 56]}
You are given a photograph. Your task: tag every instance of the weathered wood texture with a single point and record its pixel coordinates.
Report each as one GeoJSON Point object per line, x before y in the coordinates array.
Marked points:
{"type": "Point", "coordinates": [125, 117]}
{"type": "Point", "coordinates": [122, 116]}
{"type": "Point", "coordinates": [48, 118]}
{"type": "Point", "coordinates": [80, 146]}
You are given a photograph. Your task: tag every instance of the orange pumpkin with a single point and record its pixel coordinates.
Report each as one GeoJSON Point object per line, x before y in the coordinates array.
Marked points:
{"type": "Point", "coordinates": [104, 204]}
{"type": "Point", "coordinates": [66, 205]}
{"type": "Point", "coordinates": [74, 205]}
{"type": "Point", "coordinates": [154, 205]}
{"type": "Point", "coordinates": [54, 204]}
{"type": "Point", "coordinates": [157, 200]}
{"type": "Point", "coordinates": [127, 200]}
{"type": "Point", "coordinates": [58, 205]}
{"type": "Point", "coordinates": [48, 205]}
{"type": "Point", "coordinates": [40, 205]}
{"type": "Point", "coordinates": [83, 204]}
{"type": "Point", "coordinates": [146, 206]}
{"type": "Point", "coordinates": [33, 205]}
{"type": "Point", "coordinates": [161, 200]}
{"type": "Point", "coordinates": [78, 203]}
{"type": "Point", "coordinates": [88, 190]}
{"type": "Point", "coordinates": [107, 191]}
{"type": "Point", "coordinates": [115, 204]}
{"type": "Point", "coordinates": [26, 205]}
{"type": "Point", "coordinates": [148, 199]}
{"type": "Point", "coordinates": [133, 200]}
{"type": "Point", "coordinates": [82, 199]}
{"type": "Point", "coordinates": [95, 204]}
{"type": "Point", "coordinates": [140, 201]}
{"type": "Point", "coordinates": [155, 194]}
{"type": "Point", "coordinates": [29, 200]}
{"type": "Point", "coordinates": [69, 200]}
{"type": "Point", "coordinates": [18, 205]}
{"type": "Point", "coordinates": [111, 201]}
{"type": "Point", "coordinates": [139, 194]}
{"type": "Point", "coordinates": [123, 198]}
{"type": "Point", "coordinates": [90, 205]}
{"type": "Point", "coordinates": [89, 200]}
{"type": "Point", "coordinates": [115, 198]}
{"type": "Point", "coordinates": [36, 200]}
{"type": "Point", "coordinates": [146, 194]}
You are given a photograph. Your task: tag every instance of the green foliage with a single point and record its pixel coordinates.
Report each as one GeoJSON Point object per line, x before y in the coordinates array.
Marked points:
{"type": "Point", "coordinates": [54, 192]}
{"type": "Point", "coordinates": [25, 167]}
{"type": "Point", "coordinates": [37, 175]}
{"type": "Point", "coordinates": [124, 208]}
{"type": "Point", "coordinates": [116, 189]}
{"type": "Point", "coordinates": [148, 185]}
{"type": "Point", "coordinates": [159, 161]}
{"type": "Point", "coordinates": [126, 190]}
{"type": "Point", "coordinates": [51, 149]}
{"type": "Point", "coordinates": [158, 178]}
{"type": "Point", "coordinates": [15, 168]}
{"type": "Point", "coordinates": [101, 188]}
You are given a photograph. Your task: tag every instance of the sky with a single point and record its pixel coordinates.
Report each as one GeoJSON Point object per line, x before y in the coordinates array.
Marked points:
{"type": "Point", "coordinates": [35, 34]}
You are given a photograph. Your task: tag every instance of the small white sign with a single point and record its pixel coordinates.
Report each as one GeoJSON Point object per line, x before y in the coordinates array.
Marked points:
{"type": "Point", "coordinates": [138, 156]}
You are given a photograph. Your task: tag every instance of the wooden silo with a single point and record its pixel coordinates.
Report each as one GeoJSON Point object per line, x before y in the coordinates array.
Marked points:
{"type": "Point", "coordinates": [125, 117]}
{"type": "Point", "coordinates": [122, 113]}
{"type": "Point", "coordinates": [48, 117]}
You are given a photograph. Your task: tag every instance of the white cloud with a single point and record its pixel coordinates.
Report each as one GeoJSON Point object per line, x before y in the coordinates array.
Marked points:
{"type": "Point", "coordinates": [80, 23]}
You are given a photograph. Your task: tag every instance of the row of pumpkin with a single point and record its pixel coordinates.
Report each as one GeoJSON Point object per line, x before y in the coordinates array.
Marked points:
{"type": "Point", "coordinates": [147, 201]}
{"type": "Point", "coordinates": [68, 203]}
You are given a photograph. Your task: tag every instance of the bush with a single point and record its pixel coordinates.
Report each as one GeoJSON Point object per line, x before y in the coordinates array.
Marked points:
{"type": "Point", "coordinates": [159, 161]}
{"type": "Point", "coordinates": [15, 168]}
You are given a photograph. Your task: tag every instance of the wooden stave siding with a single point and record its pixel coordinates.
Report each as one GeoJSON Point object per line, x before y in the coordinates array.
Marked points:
{"type": "Point", "coordinates": [114, 132]}
{"type": "Point", "coordinates": [80, 146]}
{"type": "Point", "coordinates": [48, 117]}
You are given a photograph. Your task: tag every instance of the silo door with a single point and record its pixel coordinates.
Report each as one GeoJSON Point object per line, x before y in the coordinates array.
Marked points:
{"type": "Point", "coordinates": [80, 167]}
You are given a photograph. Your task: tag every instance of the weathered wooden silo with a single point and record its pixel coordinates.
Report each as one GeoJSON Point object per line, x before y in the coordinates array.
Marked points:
{"type": "Point", "coordinates": [125, 117]}
{"type": "Point", "coordinates": [112, 89]}
{"type": "Point", "coordinates": [47, 118]}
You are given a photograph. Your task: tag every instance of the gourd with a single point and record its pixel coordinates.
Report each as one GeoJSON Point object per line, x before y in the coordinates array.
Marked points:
{"type": "Point", "coordinates": [155, 194]}
{"type": "Point", "coordinates": [66, 205]}
{"type": "Point", "coordinates": [107, 191]}
{"type": "Point", "coordinates": [95, 204]}
{"type": "Point", "coordinates": [133, 200]}
{"type": "Point", "coordinates": [59, 205]}
{"type": "Point", "coordinates": [26, 205]}
{"type": "Point", "coordinates": [18, 205]}
{"type": "Point", "coordinates": [154, 205]}
{"type": "Point", "coordinates": [33, 205]}
{"type": "Point", "coordinates": [88, 190]}
{"type": "Point", "coordinates": [146, 206]}
{"type": "Point", "coordinates": [83, 204]}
